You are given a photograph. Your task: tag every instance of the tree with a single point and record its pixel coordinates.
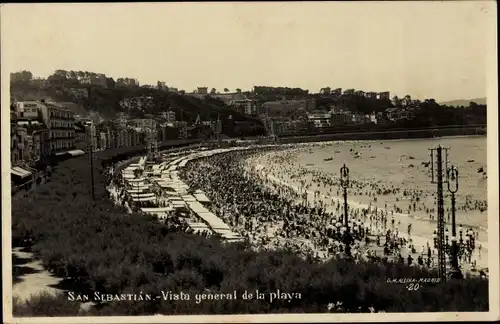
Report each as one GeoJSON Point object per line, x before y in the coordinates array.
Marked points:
{"type": "Point", "coordinates": [226, 90]}
{"type": "Point", "coordinates": [326, 90]}
{"type": "Point", "coordinates": [238, 90]}
{"type": "Point", "coordinates": [213, 91]}
{"type": "Point", "coordinates": [61, 73]}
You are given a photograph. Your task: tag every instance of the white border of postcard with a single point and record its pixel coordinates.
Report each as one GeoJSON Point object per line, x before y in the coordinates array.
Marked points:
{"type": "Point", "coordinates": [493, 227]}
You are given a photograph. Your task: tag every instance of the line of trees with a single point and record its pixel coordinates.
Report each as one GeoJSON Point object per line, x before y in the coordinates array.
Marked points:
{"type": "Point", "coordinates": [107, 250]}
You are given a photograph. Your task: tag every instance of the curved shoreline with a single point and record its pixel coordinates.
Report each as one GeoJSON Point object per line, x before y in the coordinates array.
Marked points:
{"type": "Point", "coordinates": [330, 197]}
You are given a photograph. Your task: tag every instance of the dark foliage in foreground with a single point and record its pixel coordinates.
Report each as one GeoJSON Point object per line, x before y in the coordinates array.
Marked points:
{"type": "Point", "coordinates": [97, 246]}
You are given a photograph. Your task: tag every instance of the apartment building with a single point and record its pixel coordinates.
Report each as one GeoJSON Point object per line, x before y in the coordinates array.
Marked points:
{"type": "Point", "coordinates": [60, 123]}
{"type": "Point", "coordinates": [360, 93]}
{"type": "Point", "coordinates": [371, 95]}
{"type": "Point", "coordinates": [143, 123]}
{"type": "Point", "coordinates": [245, 106]}
{"type": "Point", "coordinates": [28, 110]}
{"type": "Point", "coordinates": [320, 120]}
{"type": "Point", "coordinates": [95, 80]}
{"type": "Point", "coordinates": [349, 92]}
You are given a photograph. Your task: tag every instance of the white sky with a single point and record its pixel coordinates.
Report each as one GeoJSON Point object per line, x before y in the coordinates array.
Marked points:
{"type": "Point", "coordinates": [425, 49]}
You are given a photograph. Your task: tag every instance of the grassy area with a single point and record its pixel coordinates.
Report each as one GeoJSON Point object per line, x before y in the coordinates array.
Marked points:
{"type": "Point", "coordinates": [97, 246]}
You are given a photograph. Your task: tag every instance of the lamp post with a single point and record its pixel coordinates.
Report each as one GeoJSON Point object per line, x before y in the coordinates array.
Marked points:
{"type": "Point", "coordinates": [455, 272]}
{"type": "Point", "coordinates": [344, 182]}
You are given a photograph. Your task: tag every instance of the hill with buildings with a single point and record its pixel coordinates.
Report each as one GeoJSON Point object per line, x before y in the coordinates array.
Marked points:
{"type": "Point", "coordinates": [86, 92]}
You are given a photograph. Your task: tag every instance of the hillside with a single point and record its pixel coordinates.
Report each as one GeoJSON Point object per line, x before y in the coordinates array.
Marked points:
{"type": "Point", "coordinates": [106, 102]}
{"type": "Point", "coordinates": [464, 102]}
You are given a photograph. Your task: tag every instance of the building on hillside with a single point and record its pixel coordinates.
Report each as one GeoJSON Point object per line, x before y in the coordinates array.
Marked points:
{"type": "Point", "coordinates": [398, 113]}
{"type": "Point", "coordinates": [28, 110]}
{"type": "Point", "coordinates": [169, 116]}
{"type": "Point", "coordinates": [245, 106]}
{"type": "Point", "coordinates": [202, 90]}
{"type": "Point", "coordinates": [143, 123]}
{"type": "Point", "coordinates": [349, 92]}
{"type": "Point", "coordinates": [142, 103]}
{"type": "Point", "coordinates": [81, 137]}
{"type": "Point", "coordinates": [320, 120]}
{"type": "Point", "coordinates": [122, 119]}
{"type": "Point", "coordinates": [95, 80]}
{"type": "Point", "coordinates": [161, 85]}
{"type": "Point", "coordinates": [384, 95]}
{"type": "Point", "coordinates": [360, 93]}
{"type": "Point", "coordinates": [341, 118]}
{"type": "Point", "coordinates": [127, 82]}
{"type": "Point", "coordinates": [14, 153]}
{"type": "Point", "coordinates": [336, 92]}
{"type": "Point", "coordinates": [371, 95]}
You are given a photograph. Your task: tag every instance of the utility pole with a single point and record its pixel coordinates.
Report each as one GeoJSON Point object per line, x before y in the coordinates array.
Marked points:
{"type": "Point", "coordinates": [437, 178]}
{"type": "Point", "coordinates": [91, 157]}
{"type": "Point", "coordinates": [344, 182]}
{"type": "Point", "coordinates": [455, 272]}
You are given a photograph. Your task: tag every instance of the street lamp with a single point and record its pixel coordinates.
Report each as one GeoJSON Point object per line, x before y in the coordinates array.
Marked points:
{"type": "Point", "coordinates": [344, 183]}
{"type": "Point", "coordinates": [455, 272]}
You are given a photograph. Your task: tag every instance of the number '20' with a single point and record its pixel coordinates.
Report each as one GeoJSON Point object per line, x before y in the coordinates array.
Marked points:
{"type": "Point", "coordinates": [413, 286]}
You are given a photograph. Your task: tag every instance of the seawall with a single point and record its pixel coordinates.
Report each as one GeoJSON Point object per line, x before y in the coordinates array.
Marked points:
{"type": "Point", "coordinates": [388, 135]}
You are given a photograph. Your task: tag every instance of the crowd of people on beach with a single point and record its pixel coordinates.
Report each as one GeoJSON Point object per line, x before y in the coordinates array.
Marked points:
{"type": "Point", "coordinates": [274, 215]}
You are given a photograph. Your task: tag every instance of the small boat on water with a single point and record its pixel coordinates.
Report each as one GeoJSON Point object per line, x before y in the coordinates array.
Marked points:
{"type": "Point", "coordinates": [470, 161]}
{"type": "Point", "coordinates": [387, 148]}
{"type": "Point", "coordinates": [480, 170]}
{"type": "Point", "coordinates": [329, 159]}
{"type": "Point", "coordinates": [411, 158]}
{"type": "Point", "coordinates": [337, 151]}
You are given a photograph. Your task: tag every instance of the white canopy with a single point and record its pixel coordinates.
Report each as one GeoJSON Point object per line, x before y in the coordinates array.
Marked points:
{"type": "Point", "coordinates": [188, 198]}
{"type": "Point", "coordinates": [20, 172]}
{"type": "Point", "coordinates": [143, 199]}
{"type": "Point", "coordinates": [141, 195]}
{"type": "Point", "coordinates": [197, 207]}
{"type": "Point", "coordinates": [201, 197]}
{"type": "Point", "coordinates": [76, 152]}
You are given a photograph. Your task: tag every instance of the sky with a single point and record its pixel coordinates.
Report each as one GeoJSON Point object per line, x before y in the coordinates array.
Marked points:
{"type": "Point", "coordinates": [425, 49]}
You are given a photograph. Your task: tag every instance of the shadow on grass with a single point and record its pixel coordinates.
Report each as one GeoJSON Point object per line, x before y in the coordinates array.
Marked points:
{"type": "Point", "coordinates": [18, 272]}
{"type": "Point", "coordinates": [70, 284]}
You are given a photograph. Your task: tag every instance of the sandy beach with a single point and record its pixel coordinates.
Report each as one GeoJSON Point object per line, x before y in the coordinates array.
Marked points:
{"type": "Point", "coordinates": [421, 228]}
